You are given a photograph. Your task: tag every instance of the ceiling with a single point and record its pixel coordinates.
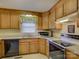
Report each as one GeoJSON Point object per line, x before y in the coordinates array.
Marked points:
{"type": "Point", "coordinates": [31, 5]}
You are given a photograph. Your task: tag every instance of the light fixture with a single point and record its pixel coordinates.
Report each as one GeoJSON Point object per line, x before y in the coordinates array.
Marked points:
{"type": "Point", "coordinates": [62, 21]}
{"type": "Point", "coordinates": [27, 15]}
{"type": "Point", "coordinates": [66, 20]}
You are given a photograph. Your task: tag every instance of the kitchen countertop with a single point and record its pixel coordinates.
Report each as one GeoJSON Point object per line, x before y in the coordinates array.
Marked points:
{"type": "Point", "coordinates": [73, 48]}
{"type": "Point", "coordinates": [16, 34]}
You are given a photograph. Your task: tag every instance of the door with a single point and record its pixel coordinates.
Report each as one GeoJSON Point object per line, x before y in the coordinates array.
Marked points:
{"type": "Point", "coordinates": [59, 9]}
{"type": "Point", "coordinates": [58, 26]}
{"type": "Point", "coordinates": [39, 22]}
{"type": "Point", "coordinates": [24, 46]}
{"type": "Point", "coordinates": [5, 20]}
{"type": "Point", "coordinates": [47, 48]}
{"type": "Point", "coordinates": [34, 46]}
{"type": "Point", "coordinates": [70, 6]}
{"type": "Point", "coordinates": [45, 20]}
{"type": "Point", "coordinates": [15, 21]}
{"type": "Point", "coordinates": [42, 47]}
{"type": "Point", "coordinates": [1, 48]}
{"type": "Point", "coordinates": [70, 55]}
{"type": "Point", "coordinates": [52, 20]}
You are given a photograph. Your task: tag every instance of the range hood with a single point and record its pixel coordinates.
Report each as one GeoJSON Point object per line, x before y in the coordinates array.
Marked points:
{"type": "Point", "coordinates": [68, 18]}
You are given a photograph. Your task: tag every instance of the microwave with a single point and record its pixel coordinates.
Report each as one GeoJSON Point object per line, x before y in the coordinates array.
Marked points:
{"type": "Point", "coordinates": [46, 33]}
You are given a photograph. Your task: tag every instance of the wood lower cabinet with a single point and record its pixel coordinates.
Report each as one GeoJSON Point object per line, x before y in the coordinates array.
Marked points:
{"type": "Point", "coordinates": [24, 46]}
{"type": "Point", "coordinates": [34, 46]}
{"type": "Point", "coordinates": [1, 48]}
{"type": "Point", "coordinates": [70, 6]}
{"type": "Point", "coordinates": [43, 47]}
{"type": "Point", "coordinates": [70, 55]}
{"type": "Point", "coordinates": [47, 48]}
{"type": "Point", "coordinates": [29, 46]}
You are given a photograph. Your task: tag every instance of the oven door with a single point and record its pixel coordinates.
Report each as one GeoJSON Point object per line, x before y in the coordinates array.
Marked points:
{"type": "Point", "coordinates": [56, 52]}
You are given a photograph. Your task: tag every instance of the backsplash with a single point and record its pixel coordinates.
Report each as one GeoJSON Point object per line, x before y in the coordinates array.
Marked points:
{"type": "Point", "coordinates": [57, 34]}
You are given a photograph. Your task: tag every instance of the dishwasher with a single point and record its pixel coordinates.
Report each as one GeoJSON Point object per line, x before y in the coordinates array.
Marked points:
{"type": "Point", "coordinates": [11, 47]}
{"type": "Point", "coordinates": [56, 51]}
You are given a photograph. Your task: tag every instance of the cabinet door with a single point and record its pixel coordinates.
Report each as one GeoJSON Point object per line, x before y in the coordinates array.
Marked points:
{"type": "Point", "coordinates": [70, 6]}
{"type": "Point", "coordinates": [47, 48]}
{"type": "Point", "coordinates": [24, 46]}
{"type": "Point", "coordinates": [52, 20]}
{"type": "Point", "coordinates": [34, 46]}
{"type": "Point", "coordinates": [59, 9]}
{"type": "Point", "coordinates": [42, 47]}
{"type": "Point", "coordinates": [39, 22]}
{"type": "Point", "coordinates": [1, 48]}
{"type": "Point", "coordinates": [58, 26]}
{"type": "Point", "coordinates": [45, 20]}
{"type": "Point", "coordinates": [15, 21]}
{"type": "Point", "coordinates": [78, 4]}
{"type": "Point", "coordinates": [70, 55]}
{"type": "Point", "coordinates": [5, 20]}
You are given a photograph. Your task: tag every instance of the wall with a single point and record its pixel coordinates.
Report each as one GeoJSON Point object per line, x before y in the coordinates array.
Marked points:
{"type": "Point", "coordinates": [74, 22]}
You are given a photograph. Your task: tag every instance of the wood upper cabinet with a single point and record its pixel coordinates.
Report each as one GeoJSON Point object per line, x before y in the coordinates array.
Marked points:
{"type": "Point", "coordinates": [58, 26]}
{"type": "Point", "coordinates": [5, 19]}
{"type": "Point", "coordinates": [9, 19]}
{"type": "Point", "coordinates": [39, 22]}
{"type": "Point", "coordinates": [1, 48]}
{"type": "Point", "coordinates": [15, 21]}
{"type": "Point", "coordinates": [52, 20]}
{"type": "Point", "coordinates": [78, 4]}
{"type": "Point", "coordinates": [70, 6]}
{"type": "Point", "coordinates": [59, 9]}
{"type": "Point", "coordinates": [70, 55]}
{"type": "Point", "coordinates": [45, 20]}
